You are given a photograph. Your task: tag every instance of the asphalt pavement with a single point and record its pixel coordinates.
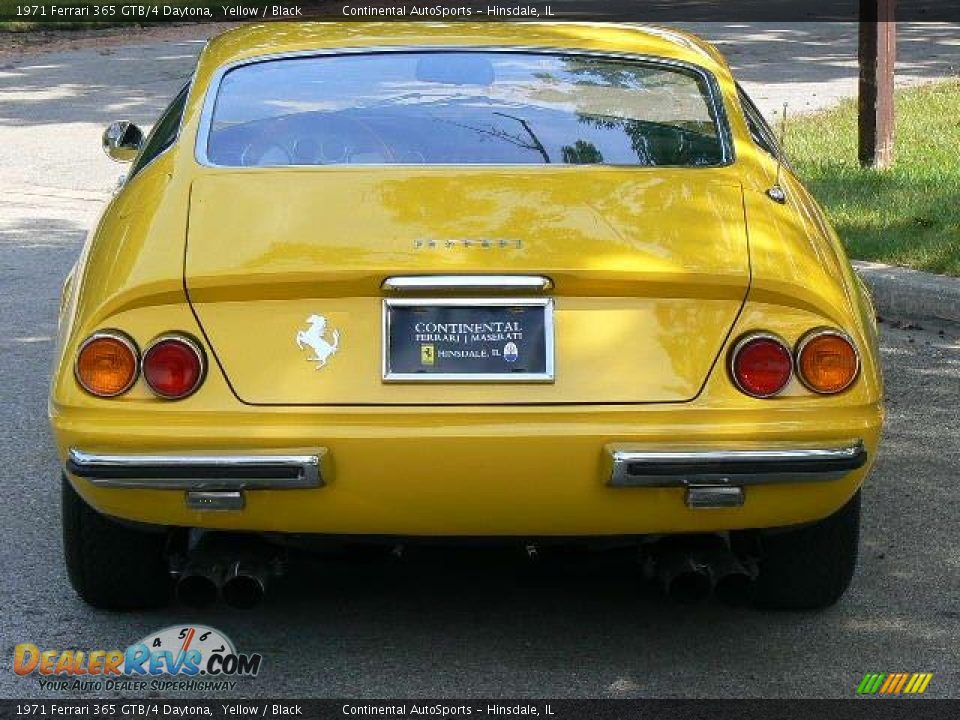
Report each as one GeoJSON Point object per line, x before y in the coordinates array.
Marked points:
{"type": "Point", "coordinates": [444, 623]}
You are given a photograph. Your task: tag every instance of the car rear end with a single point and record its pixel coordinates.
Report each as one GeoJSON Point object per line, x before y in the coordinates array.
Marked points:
{"type": "Point", "coordinates": [481, 292]}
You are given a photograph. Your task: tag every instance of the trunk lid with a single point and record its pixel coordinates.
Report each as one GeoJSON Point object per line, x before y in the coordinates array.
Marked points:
{"type": "Point", "coordinates": [649, 271]}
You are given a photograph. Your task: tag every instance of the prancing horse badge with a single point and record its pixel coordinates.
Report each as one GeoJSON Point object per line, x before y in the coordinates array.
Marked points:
{"type": "Point", "coordinates": [315, 338]}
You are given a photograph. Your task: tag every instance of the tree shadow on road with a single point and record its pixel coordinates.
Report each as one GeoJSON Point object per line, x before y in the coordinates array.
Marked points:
{"type": "Point", "coordinates": [135, 82]}
{"type": "Point", "coordinates": [94, 86]}
{"type": "Point", "coordinates": [818, 52]}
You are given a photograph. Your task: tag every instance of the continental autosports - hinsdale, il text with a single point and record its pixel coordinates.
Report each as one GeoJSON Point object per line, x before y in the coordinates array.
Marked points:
{"type": "Point", "coordinates": [447, 11]}
{"type": "Point", "coordinates": [444, 711]}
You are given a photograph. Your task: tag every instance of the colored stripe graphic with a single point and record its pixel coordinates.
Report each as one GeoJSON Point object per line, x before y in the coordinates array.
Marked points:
{"type": "Point", "coordinates": [894, 683]}
{"type": "Point", "coordinates": [889, 683]}
{"type": "Point", "coordinates": [870, 683]}
{"type": "Point", "coordinates": [901, 680]}
{"type": "Point", "coordinates": [923, 679]}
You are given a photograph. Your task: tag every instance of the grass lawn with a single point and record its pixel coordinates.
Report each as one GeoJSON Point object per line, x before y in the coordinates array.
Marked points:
{"type": "Point", "coordinates": [908, 215]}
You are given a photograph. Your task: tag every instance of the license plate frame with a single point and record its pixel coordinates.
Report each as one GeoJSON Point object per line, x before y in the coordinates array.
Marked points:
{"type": "Point", "coordinates": [547, 375]}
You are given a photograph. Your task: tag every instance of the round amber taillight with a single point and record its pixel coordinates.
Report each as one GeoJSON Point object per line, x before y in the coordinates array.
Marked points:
{"type": "Point", "coordinates": [106, 364]}
{"type": "Point", "coordinates": [761, 365]}
{"type": "Point", "coordinates": [827, 362]}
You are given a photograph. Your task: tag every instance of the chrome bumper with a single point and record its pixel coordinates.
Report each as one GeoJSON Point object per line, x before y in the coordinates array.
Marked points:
{"type": "Point", "coordinates": [198, 472]}
{"type": "Point", "coordinates": [712, 478]}
{"type": "Point", "coordinates": [732, 468]}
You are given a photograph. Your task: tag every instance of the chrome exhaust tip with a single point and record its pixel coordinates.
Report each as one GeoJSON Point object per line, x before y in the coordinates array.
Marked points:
{"type": "Point", "coordinates": [228, 566]}
{"type": "Point", "coordinates": [198, 588]}
{"type": "Point", "coordinates": [735, 581]}
{"type": "Point", "coordinates": [690, 570]}
{"type": "Point", "coordinates": [245, 585]}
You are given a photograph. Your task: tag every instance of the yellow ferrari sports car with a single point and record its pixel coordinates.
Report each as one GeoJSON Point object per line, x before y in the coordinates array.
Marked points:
{"type": "Point", "coordinates": [538, 283]}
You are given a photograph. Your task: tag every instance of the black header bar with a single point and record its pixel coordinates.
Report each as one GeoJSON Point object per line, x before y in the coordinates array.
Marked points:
{"type": "Point", "coordinates": [457, 709]}
{"type": "Point", "coordinates": [649, 11]}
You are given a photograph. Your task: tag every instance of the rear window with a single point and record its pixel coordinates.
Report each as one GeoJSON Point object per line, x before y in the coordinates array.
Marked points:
{"type": "Point", "coordinates": [464, 108]}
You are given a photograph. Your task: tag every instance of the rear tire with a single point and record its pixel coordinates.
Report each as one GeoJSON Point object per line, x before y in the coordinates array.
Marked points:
{"type": "Point", "coordinates": [809, 567]}
{"type": "Point", "coordinates": [110, 565]}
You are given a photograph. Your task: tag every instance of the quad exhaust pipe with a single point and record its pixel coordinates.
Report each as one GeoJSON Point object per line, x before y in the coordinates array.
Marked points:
{"type": "Point", "coordinates": [690, 576]}
{"type": "Point", "coordinates": [245, 584]}
{"type": "Point", "coordinates": [236, 571]}
{"type": "Point", "coordinates": [199, 585]}
{"type": "Point", "coordinates": [734, 583]}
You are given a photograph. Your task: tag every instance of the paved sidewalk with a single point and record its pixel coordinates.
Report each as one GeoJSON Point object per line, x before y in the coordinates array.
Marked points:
{"type": "Point", "coordinates": [900, 292]}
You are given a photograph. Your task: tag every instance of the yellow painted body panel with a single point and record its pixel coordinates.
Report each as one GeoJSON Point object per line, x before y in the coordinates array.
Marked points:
{"type": "Point", "coordinates": [464, 471]}
{"type": "Point", "coordinates": [644, 323]}
{"type": "Point", "coordinates": [643, 277]}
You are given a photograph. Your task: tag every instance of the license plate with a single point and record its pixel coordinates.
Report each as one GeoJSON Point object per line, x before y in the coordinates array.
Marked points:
{"type": "Point", "coordinates": [459, 340]}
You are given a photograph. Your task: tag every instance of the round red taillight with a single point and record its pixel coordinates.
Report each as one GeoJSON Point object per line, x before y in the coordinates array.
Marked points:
{"type": "Point", "coordinates": [173, 366]}
{"type": "Point", "coordinates": [761, 365]}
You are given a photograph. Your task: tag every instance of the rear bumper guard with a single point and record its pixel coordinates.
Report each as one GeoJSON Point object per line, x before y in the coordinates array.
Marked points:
{"type": "Point", "coordinates": [712, 478]}
{"type": "Point", "coordinates": [199, 473]}
{"type": "Point", "coordinates": [732, 468]}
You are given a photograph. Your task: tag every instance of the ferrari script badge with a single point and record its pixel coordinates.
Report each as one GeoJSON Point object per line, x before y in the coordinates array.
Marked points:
{"type": "Point", "coordinates": [315, 338]}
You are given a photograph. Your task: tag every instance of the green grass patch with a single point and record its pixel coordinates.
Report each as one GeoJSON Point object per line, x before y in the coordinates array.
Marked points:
{"type": "Point", "coordinates": [908, 215]}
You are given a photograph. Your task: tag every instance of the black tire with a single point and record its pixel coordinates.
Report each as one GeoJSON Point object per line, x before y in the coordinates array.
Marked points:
{"type": "Point", "coordinates": [110, 565]}
{"type": "Point", "coordinates": [809, 567]}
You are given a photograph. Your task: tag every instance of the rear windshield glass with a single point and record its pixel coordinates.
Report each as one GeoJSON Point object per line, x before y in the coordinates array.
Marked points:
{"type": "Point", "coordinates": [466, 108]}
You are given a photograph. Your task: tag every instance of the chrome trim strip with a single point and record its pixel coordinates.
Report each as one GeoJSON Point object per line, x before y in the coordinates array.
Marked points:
{"type": "Point", "coordinates": [683, 468]}
{"type": "Point", "coordinates": [122, 338]}
{"type": "Point", "coordinates": [714, 97]}
{"type": "Point", "coordinates": [813, 335]}
{"type": "Point", "coordinates": [198, 472]}
{"type": "Point", "coordinates": [546, 377]}
{"type": "Point", "coordinates": [441, 283]}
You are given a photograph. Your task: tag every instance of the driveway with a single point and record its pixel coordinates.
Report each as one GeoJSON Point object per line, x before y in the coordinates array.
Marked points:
{"type": "Point", "coordinates": [469, 624]}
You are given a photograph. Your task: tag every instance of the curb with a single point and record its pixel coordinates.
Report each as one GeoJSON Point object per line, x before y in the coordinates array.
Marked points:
{"type": "Point", "coordinates": [901, 292]}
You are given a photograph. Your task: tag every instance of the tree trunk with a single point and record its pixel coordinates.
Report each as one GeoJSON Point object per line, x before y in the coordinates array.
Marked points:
{"type": "Point", "coordinates": [877, 50]}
